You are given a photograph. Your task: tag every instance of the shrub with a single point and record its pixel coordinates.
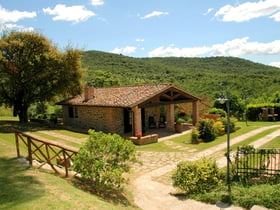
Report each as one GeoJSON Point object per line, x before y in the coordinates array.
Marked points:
{"type": "Point", "coordinates": [206, 130]}
{"type": "Point", "coordinates": [196, 176]}
{"type": "Point", "coordinates": [218, 111]}
{"type": "Point", "coordinates": [103, 159]}
{"type": "Point", "coordinates": [219, 128]}
{"type": "Point", "coordinates": [232, 123]}
{"type": "Point", "coordinates": [195, 135]}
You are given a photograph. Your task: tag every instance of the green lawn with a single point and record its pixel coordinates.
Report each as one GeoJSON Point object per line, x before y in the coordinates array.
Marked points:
{"type": "Point", "coordinates": [184, 140]}
{"type": "Point", "coordinates": [22, 187]}
{"type": "Point", "coordinates": [274, 143]}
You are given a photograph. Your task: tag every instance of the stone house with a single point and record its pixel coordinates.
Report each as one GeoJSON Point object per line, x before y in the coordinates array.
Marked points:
{"type": "Point", "coordinates": [127, 109]}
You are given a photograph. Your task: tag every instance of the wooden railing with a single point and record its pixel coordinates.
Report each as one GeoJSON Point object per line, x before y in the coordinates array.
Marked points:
{"type": "Point", "coordinates": [45, 151]}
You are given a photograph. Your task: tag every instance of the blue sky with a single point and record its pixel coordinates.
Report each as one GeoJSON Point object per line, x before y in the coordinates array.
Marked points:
{"type": "Point", "coordinates": [247, 29]}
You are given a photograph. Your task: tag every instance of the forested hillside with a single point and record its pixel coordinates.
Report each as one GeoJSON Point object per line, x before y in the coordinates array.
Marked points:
{"type": "Point", "coordinates": [201, 76]}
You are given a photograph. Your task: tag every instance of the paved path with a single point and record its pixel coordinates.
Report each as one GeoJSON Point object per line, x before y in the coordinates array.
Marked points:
{"type": "Point", "coordinates": [152, 195]}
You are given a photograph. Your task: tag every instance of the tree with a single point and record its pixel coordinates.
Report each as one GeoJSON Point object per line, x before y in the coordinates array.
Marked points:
{"type": "Point", "coordinates": [103, 159]}
{"type": "Point", "coordinates": [33, 70]}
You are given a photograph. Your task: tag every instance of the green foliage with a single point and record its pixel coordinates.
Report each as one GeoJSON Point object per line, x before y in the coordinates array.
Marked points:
{"type": "Point", "coordinates": [236, 106]}
{"type": "Point", "coordinates": [200, 76]}
{"type": "Point", "coordinates": [218, 111]}
{"type": "Point", "coordinates": [103, 159]}
{"type": "Point", "coordinates": [33, 70]}
{"type": "Point", "coordinates": [254, 110]}
{"type": "Point", "coordinates": [195, 135]}
{"type": "Point", "coordinates": [103, 79]}
{"type": "Point", "coordinates": [232, 123]}
{"type": "Point", "coordinates": [276, 97]}
{"type": "Point", "coordinates": [263, 195]}
{"type": "Point", "coordinates": [219, 128]}
{"type": "Point", "coordinates": [206, 130]}
{"type": "Point", "coordinates": [196, 176]}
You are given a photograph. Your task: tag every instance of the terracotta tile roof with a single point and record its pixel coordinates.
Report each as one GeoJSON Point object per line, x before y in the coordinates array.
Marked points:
{"type": "Point", "coordinates": [123, 96]}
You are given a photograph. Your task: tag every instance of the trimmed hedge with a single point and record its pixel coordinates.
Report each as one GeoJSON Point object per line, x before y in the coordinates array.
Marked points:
{"type": "Point", "coordinates": [254, 110]}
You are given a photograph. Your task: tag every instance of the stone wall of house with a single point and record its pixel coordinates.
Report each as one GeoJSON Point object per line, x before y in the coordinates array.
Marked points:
{"type": "Point", "coordinates": [104, 119]}
{"type": "Point", "coordinates": [154, 112]}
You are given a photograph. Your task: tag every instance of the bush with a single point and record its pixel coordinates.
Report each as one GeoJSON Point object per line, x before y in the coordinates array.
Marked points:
{"type": "Point", "coordinates": [196, 176]}
{"type": "Point", "coordinates": [218, 111]}
{"type": "Point", "coordinates": [232, 124]}
{"type": "Point", "coordinates": [103, 159]}
{"type": "Point", "coordinates": [219, 128]}
{"type": "Point", "coordinates": [195, 135]}
{"type": "Point", "coordinates": [206, 130]}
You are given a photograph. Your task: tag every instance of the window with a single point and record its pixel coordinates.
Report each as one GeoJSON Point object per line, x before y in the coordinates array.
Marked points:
{"type": "Point", "coordinates": [72, 112]}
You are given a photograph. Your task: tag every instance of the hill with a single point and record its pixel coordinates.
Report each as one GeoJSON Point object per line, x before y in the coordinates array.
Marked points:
{"type": "Point", "coordinates": [202, 76]}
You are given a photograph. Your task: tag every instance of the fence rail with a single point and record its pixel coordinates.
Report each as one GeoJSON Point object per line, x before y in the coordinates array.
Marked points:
{"type": "Point", "coordinates": [252, 162]}
{"type": "Point", "coordinates": [45, 151]}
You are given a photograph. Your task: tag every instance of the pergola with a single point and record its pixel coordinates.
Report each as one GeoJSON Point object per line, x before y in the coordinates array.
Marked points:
{"type": "Point", "coordinates": [168, 97]}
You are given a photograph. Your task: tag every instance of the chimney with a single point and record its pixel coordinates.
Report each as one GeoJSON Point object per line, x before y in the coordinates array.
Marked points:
{"type": "Point", "coordinates": [89, 93]}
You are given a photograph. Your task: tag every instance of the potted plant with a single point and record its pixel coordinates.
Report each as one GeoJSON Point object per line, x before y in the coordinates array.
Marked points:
{"type": "Point", "coordinates": [179, 125]}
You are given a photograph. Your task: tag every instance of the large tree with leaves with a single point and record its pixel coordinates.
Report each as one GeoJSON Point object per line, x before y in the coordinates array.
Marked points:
{"type": "Point", "coordinates": [33, 70]}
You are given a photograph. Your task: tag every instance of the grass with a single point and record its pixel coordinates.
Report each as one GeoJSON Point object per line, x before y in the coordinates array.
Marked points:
{"type": "Point", "coordinates": [35, 188]}
{"type": "Point", "coordinates": [184, 140]}
{"type": "Point", "coordinates": [253, 138]}
{"type": "Point", "coordinates": [274, 143]}
{"type": "Point", "coordinates": [265, 195]}
{"type": "Point", "coordinates": [22, 187]}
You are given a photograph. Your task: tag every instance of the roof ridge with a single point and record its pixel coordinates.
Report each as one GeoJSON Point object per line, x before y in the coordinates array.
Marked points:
{"type": "Point", "coordinates": [136, 85]}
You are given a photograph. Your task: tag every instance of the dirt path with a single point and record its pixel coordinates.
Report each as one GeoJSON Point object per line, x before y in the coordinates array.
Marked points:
{"type": "Point", "coordinates": [152, 195]}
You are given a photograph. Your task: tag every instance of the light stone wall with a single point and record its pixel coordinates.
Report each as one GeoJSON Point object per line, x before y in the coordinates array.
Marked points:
{"type": "Point", "coordinates": [106, 119]}
{"type": "Point", "coordinates": [153, 111]}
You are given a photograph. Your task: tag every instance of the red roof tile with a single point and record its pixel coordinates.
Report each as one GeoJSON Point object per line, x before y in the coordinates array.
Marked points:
{"type": "Point", "coordinates": [123, 96]}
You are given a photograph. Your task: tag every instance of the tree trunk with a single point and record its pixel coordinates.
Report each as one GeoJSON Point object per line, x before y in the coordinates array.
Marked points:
{"type": "Point", "coordinates": [23, 118]}
{"type": "Point", "coordinates": [20, 109]}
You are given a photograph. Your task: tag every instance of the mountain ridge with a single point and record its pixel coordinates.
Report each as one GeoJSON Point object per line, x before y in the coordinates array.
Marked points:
{"type": "Point", "coordinates": [201, 76]}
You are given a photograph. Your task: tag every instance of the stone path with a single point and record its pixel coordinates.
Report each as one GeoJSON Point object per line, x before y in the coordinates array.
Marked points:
{"type": "Point", "coordinates": [152, 195]}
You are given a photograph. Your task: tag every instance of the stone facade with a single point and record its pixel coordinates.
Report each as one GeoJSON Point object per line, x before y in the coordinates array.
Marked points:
{"type": "Point", "coordinates": [104, 119]}
{"type": "Point", "coordinates": [154, 112]}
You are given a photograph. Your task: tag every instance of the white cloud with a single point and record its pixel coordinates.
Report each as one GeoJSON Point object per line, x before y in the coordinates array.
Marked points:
{"type": "Point", "coordinates": [153, 14]}
{"type": "Point", "coordinates": [139, 40]}
{"type": "Point", "coordinates": [276, 17]}
{"type": "Point", "coordinates": [248, 10]}
{"type": "Point", "coordinates": [208, 11]}
{"type": "Point", "coordinates": [97, 2]}
{"type": "Point", "coordinates": [74, 14]}
{"type": "Point", "coordinates": [14, 15]}
{"type": "Point", "coordinates": [276, 64]}
{"type": "Point", "coordinates": [236, 47]}
{"type": "Point", "coordinates": [124, 50]}
{"type": "Point", "coordinates": [16, 27]}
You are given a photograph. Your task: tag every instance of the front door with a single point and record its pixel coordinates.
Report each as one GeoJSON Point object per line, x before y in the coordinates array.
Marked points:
{"type": "Point", "coordinates": [127, 121]}
{"type": "Point", "coordinates": [143, 119]}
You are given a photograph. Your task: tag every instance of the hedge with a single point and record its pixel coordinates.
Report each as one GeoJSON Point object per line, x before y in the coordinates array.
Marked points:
{"type": "Point", "coordinates": [253, 110]}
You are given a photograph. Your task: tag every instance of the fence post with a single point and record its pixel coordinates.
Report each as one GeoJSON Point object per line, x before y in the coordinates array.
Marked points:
{"type": "Point", "coordinates": [17, 145]}
{"type": "Point", "coordinates": [65, 163]}
{"type": "Point", "coordinates": [29, 150]}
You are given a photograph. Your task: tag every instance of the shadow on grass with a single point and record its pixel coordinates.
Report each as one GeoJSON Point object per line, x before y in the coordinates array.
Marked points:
{"type": "Point", "coordinates": [112, 196]}
{"type": "Point", "coordinates": [6, 125]}
{"type": "Point", "coordinates": [15, 186]}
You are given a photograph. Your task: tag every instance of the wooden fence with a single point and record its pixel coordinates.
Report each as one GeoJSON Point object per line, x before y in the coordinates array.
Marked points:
{"type": "Point", "coordinates": [46, 152]}
{"type": "Point", "coordinates": [252, 162]}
